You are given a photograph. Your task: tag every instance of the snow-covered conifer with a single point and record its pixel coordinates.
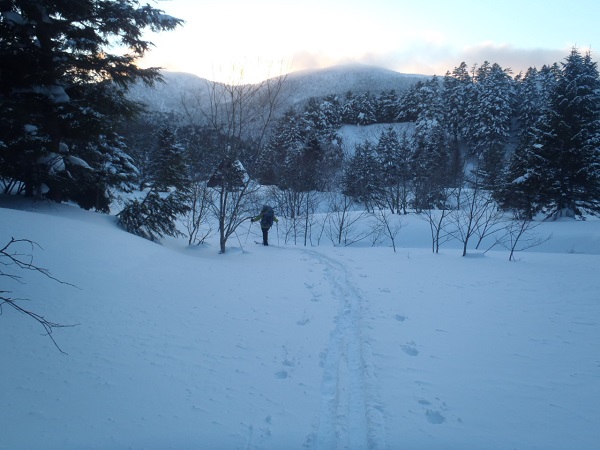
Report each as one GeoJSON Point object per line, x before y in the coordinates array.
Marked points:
{"type": "Point", "coordinates": [63, 88]}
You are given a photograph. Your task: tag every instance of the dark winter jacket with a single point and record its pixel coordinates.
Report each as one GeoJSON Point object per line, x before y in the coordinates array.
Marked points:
{"type": "Point", "coordinates": [263, 223]}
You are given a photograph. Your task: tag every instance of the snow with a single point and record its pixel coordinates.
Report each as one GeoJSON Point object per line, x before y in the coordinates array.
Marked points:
{"type": "Point", "coordinates": [78, 162]}
{"type": "Point", "coordinates": [55, 93]}
{"type": "Point", "coordinates": [353, 135]}
{"type": "Point", "coordinates": [290, 347]}
{"type": "Point", "coordinates": [12, 17]}
{"type": "Point", "coordinates": [31, 129]}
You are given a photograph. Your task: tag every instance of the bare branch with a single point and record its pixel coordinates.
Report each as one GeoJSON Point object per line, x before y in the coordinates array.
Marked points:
{"type": "Point", "coordinates": [23, 261]}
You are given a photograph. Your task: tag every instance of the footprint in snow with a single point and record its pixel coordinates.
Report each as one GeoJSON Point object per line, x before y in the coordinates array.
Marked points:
{"type": "Point", "coordinates": [434, 417]}
{"type": "Point", "coordinates": [410, 349]}
{"type": "Point", "coordinates": [282, 375]}
{"type": "Point", "coordinates": [400, 318]}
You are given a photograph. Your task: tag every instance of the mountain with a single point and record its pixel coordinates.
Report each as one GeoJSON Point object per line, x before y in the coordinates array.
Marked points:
{"type": "Point", "coordinates": [177, 89]}
{"type": "Point", "coordinates": [305, 84]}
{"type": "Point", "coordinates": [183, 90]}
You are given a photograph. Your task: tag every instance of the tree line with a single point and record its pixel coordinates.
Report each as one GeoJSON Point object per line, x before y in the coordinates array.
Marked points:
{"type": "Point", "coordinates": [529, 142]}
{"type": "Point", "coordinates": [477, 137]}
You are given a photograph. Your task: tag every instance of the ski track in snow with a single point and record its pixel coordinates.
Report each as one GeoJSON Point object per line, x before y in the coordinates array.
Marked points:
{"type": "Point", "coordinates": [350, 415]}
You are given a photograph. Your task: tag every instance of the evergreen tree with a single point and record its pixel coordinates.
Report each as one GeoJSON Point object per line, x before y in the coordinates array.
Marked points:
{"type": "Point", "coordinates": [169, 166]}
{"type": "Point", "coordinates": [408, 105]}
{"type": "Point", "coordinates": [350, 109]}
{"type": "Point", "coordinates": [324, 115]}
{"type": "Point", "coordinates": [304, 167]}
{"type": "Point", "coordinates": [456, 94]}
{"type": "Point", "coordinates": [286, 136]}
{"type": "Point", "coordinates": [387, 107]}
{"type": "Point", "coordinates": [304, 152]}
{"type": "Point", "coordinates": [570, 141]}
{"type": "Point", "coordinates": [362, 175]}
{"type": "Point", "coordinates": [154, 216]}
{"type": "Point", "coordinates": [491, 116]}
{"type": "Point", "coordinates": [319, 134]}
{"type": "Point", "coordinates": [167, 196]}
{"type": "Point", "coordinates": [105, 166]}
{"type": "Point", "coordinates": [522, 178]}
{"type": "Point", "coordinates": [556, 167]}
{"type": "Point", "coordinates": [394, 160]}
{"type": "Point", "coordinates": [534, 91]}
{"type": "Point", "coordinates": [62, 91]}
{"type": "Point", "coordinates": [367, 109]}
{"type": "Point", "coordinates": [431, 159]}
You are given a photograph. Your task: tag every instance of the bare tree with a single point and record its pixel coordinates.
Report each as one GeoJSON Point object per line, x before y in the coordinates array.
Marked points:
{"type": "Point", "coordinates": [299, 209]}
{"type": "Point", "coordinates": [10, 256]}
{"type": "Point", "coordinates": [233, 198]}
{"type": "Point", "coordinates": [388, 224]}
{"type": "Point", "coordinates": [343, 220]}
{"type": "Point", "coordinates": [519, 237]}
{"type": "Point", "coordinates": [438, 218]}
{"type": "Point", "coordinates": [493, 220]}
{"type": "Point", "coordinates": [198, 213]}
{"type": "Point", "coordinates": [240, 115]}
{"type": "Point", "coordinates": [474, 206]}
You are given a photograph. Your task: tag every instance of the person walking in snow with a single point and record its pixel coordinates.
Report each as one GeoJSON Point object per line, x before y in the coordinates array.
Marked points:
{"type": "Point", "coordinates": [266, 217]}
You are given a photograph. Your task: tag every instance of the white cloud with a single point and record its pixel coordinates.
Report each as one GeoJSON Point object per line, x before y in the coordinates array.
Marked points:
{"type": "Point", "coordinates": [431, 59]}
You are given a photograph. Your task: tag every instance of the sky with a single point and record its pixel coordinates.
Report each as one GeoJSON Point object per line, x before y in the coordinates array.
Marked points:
{"type": "Point", "coordinates": [224, 40]}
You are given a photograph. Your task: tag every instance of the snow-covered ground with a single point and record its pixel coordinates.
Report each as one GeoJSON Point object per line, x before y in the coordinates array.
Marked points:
{"type": "Point", "coordinates": [290, 347]}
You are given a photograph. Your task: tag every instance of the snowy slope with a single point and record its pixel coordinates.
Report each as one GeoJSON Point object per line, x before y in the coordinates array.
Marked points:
{"type": "Point", "coordinates": [292, 347]}
{"type": "Point", "coordinates": [180, 88]}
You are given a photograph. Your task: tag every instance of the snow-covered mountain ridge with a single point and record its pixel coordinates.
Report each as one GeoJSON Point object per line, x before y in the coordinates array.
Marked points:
{"type": "Point", "coordinates": [298, 87]}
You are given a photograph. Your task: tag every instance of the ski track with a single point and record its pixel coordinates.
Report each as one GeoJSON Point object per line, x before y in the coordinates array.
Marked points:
{"type": "Point", "coordinates": [350, 415]}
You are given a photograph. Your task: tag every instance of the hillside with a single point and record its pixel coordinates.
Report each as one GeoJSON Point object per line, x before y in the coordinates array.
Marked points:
{"type": "Point", "coordinates": [298, 88]}
{"type": "Point", "coordinates": [338, 80]}
{"type": "Point", "coordinates": [296, 347]}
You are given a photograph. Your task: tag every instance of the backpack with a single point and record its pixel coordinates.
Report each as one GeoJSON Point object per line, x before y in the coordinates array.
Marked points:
{"type": "Point", "coordinates": [267, 216]}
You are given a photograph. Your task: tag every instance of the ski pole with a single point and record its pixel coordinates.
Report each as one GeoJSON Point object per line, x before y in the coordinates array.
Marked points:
{"type": "Point", "coordinates": [248, 233]}
{"type": "Point", "coordinates": [240, 242]}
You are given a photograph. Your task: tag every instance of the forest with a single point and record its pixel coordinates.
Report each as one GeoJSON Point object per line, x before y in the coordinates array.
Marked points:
{"type": "Point", "coordinates": [478, 142]}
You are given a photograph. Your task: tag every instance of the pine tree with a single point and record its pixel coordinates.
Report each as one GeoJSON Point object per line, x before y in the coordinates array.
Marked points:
{"type": "Point", "coordinates": [387, 107]}
{"type": "Point", "coordinates": [169, 166]}
{"type": "Point", "coordinates": [570, 141]}
{"type": "Point", "coordinates": [408, 105]}
{"type": "Point", "coordinates": [392, 170]}
{"type": "Point", "coordinates": [167, 196]}
{"type": "Point", "coordinates": [367, 109]}
{"type": "Point", "coordinates": [324, 115]}
{"type": "Point", "coordinates": [556, 167]}
{"type": "Point", "coordinates": [62, 90]}
{"type": "Point", "coordinates": [285, 135]}
{"type": "Point", "coordinates": [431, 161]}
{"type": "Point", "coordinates": [522, 181]}
{"type": "Point", "coordinates": [362, 175]}
{"type": "Point", "coordinates": [534, 91]}
{"type": "Point", "coordinates": [456, 94]}
{"type": "Point", "coordinates": [350, 109]}
{"type": "Point", "coordinates": [491, 116]}
{"type": "Point", "coordinates": [154, 216]}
